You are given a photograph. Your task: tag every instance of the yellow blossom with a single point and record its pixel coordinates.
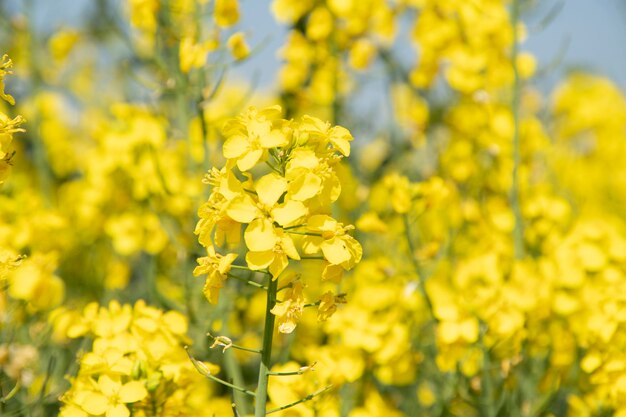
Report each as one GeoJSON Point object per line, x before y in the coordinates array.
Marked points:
{"type": "Point", "coordinates": [238, 46]}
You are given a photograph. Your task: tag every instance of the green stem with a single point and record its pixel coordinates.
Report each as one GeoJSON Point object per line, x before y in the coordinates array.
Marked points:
{"type": "Point", "coordinates": [292, 373]}
{"type": "Point", "coordinates": [295, 232]}
{"type": "Point", "coordinates": [245, 268]}
{"type": "Point", "coordinates": [307, 398]}
{"type": "Point", "coordinates": [418, 269]}
{"type": "Point", "coordinates": [200, 367]}
{"type": "Point", "coordinates": [234, 371]}
{"type": "Point", "coordinates": [247, 281]}
{"type": "Point", "coordinates": [266, 353]}
{"type": "Point", "coordinates": [518, 231]}
{"type": "Point", "coordinates": [487, 388]}
{"type": "Point", "coordinates": [234, 346]}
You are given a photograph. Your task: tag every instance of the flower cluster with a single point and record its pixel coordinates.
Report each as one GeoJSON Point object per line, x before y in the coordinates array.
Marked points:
{"type": "Point", "coordinates": [194, 42]}
{"type": "Point", "coordinates": [490, 216]}
{"type": "Point", "coordinates": [285, 213]}
{"type": "Point", "coordinates": [8, 126]}
{"type": "Point", "coordinates": [321, 34]}
{"type": "Point", "coordinates": [472, 40]}
{"type": "Point", "coordinates": [137, 364]}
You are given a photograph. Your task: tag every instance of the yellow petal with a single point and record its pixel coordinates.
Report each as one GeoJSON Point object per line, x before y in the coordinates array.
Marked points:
{"type": "Point", "coordinates": [311, 244]}
{"type": "Point", "coordinates": [259, 260]}
{"type": "Point", "coordinates": [260, 236]}
{"type": "Point", "coordinates": [270, 187]}
{"type": "Point", "coordinates": [119, 410]}
{"type": "Point", "coordinates": [286, 242]}
{"type": "Point", "coordinates": [226, 12]}
{"type": "Point", "coordinates": [289, 213]}
{"type": "Point", "coordinates": [132, 392]}
{"type": "Point", "coordinates": [271, 112]}
{"type": "Point", "coordinates": [211, 289]}
{"type": "Point", "coordinates": [238, 46]}
{"type": "Point", "coordinates": [280, 309]}
{"type": "Point", "coordinates": [94, 403]}
{"type": "Point", "coordinates": [249, 160]}
{"type": "Point", "coordinates": [313, 124]}
{"type": "Point", "coordinates": [230, 187]}
{"type": "Point", "coordinates": [236, 146]}
{"type": "Point", "coordinates": [305, 186]}
{"type": "Point", "coordinates": [108, 386]}
{"type": "Point", "coordinates": [332, 273]}
{"type": "Point", "coordinates": [72, 411]}
{"type": "Point", "coordinates": [468, 330]}
{"type": "Point", "coordinates": [448, 332]}
{"type": "Point", "coordinates": [286, 324]}
{"type": "Point", "coordinates": [242, 209]}
{"type": "Point", "coordinates": [593, 259]}
{"type": "Point", "coordinates": [301, 159]}
{"type": "Point", "coordinates": [335, 251]}
{"type": "Point", "coordinates": [226, 262]}
{"type": "Point", "coordinates": [591, 362]}
{"type": "Point", "coordinates": [275, 139]}
{"type": "Point", "coordinates": [321, 223]}
{"type": "Point", "coordinates": [175, 322]}
{"type": "Point", "coordinates": [370, 223]}
{"type": "Point", "coordinates": [279, 264]}
{"type": "Point", "coordinates": [340, 137]}
{"type": "Point", "coordinates": [355, 249]}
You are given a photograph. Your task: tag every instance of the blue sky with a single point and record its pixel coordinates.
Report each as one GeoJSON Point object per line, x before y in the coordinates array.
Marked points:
{"type": "Point", "coordinates": [593, 32]}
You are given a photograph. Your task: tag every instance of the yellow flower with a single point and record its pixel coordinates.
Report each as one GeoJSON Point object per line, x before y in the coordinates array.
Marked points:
{"type": "Point", "coordinates": [192, 54]}
{"type": "Point", "coordinates": [328, 305]}
{"type": "Point", "coordinates": [250, 135]}
{"type": "Point", "coordinates": [269, 247]}
{"type": "Point", "coordinates": [216, 267]}
{"type": "Point", "coordinates": [238, 46]}
{"type": "Point", "coordinates": [5, 68]}
{"type": "Point", "coordinates": [110, 396]}
{"type": "Point", "coordinates": [62, 43]}
{"type": "Point", "coordinates": [226, 12]}
{"type": "Point", "coordinates": [289, 311]}
{"type": "Point", "coordinates": [288, 11]}
{"type": "Point", "coordinates": [361, 54]}
{"type": "Point", "coordinates": [35, 283]}
{"type": "Point", "coordinates": [337, 247]}
{"type": "Point", "coordinates": [320, 24]}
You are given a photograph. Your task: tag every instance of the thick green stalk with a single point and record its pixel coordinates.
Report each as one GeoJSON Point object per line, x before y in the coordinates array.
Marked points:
{"type": "Point", "coordinates": [266, 354]}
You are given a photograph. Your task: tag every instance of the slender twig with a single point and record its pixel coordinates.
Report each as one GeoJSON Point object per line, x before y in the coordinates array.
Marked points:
{"type": "Point", "coordinates": [318, 302]}
{"type": "Point", "coordinates": [200, 367]}
{"type": "Point", "coordinates": [11, 393]}
{"type": "Point", "coordinates": [234, 346]}
{"type": "Point", "coordinates": [273, 168]}
{"type": "Point", "coordinates": [235, 374]}
{"type": "Point", "coordinates": [157, 167]}
{"type": "Point", "coordinates": [300, 371]}
{"type": "Point", "coordinates": [307, 398]}
{"type": "Point", "coordinates": [44, 385]}
{"type": "Point", "coordinates": [247, 281]}
{"type": "Point", "coordinates": [416, 265]}
{"type": "Point", "coordinates": [245, 268]}
{"type": "Point", "coordinates": [296, 232]}
{"type": "Point", "coordinates": [294, 227]}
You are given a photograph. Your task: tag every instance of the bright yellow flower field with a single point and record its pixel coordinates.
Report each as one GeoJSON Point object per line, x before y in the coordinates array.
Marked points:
{"type": "Point", "coordinates": [176, 241]}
